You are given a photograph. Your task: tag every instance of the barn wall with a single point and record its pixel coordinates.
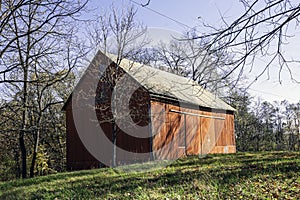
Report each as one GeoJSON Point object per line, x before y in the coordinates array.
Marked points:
{"type": "Point", "coordinates": [129, 121]}
{"type": "Point", "coordinates": [203, 135]}
{"type": "Point", "coordinates": [77, 155]}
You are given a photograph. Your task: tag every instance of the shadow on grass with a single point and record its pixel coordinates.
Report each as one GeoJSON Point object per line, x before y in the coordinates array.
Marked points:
{"type": "Point", "coordinates": [219, 171]}
{"type": "Point", "coordinates": [54, 177]}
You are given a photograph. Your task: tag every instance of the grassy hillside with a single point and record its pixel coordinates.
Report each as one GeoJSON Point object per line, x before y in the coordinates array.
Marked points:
{"type": "Point", "coordinates": [271, 175]}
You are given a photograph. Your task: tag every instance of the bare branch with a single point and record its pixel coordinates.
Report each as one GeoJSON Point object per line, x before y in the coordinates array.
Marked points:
{"type": "Point", "coordinates": [253, 34]}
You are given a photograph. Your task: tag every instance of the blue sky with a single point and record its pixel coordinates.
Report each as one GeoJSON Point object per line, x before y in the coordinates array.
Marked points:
{"type": "Point", "coordinates": [186, 12]}
{"type": "Point", "coordinates": [191, 13]}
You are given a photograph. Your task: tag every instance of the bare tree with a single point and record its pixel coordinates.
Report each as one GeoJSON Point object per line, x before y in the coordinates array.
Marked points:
{"type": "Point", "coordinates": [190, 58]}
{"type": "Point", "coordinates": [261, 31]}
{"type": "Point", "coordinates": [38, 49]}
{"type": "Point", "coordinates": [117, 31]}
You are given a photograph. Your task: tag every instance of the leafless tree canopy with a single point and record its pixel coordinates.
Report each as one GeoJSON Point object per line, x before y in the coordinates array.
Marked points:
{"type": "Point", "coordinates": [38, 50]}
{"type": "Point", "coordinates": [261, 31]}
{"type": "Point", "coordinates": [33, 28]}
{"type": "Point", "coordinates": [190, 58]}
{"type": "Point", "coordinates": [117, 31]}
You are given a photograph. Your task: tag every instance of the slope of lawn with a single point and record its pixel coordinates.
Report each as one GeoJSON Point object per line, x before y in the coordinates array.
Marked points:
{"type": "Point", "coordinates": [266, 175]}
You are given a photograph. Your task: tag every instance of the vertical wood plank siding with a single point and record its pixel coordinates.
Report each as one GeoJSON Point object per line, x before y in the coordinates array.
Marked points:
{"type": "Point", "coordinates": [77, 155]}
{"type": "Point", "coordinates": [204, 135]}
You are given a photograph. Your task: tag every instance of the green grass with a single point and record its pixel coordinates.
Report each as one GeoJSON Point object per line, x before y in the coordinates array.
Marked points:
{"type": "Point", "coordinates": [265, 175]}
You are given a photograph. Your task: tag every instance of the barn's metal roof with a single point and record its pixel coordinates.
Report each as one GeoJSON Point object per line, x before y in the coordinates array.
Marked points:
{"type": "Point", "coordinates": [166, 84]}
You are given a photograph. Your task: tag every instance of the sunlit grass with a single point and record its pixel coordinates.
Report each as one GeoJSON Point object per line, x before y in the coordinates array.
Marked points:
{"type": "Point", "coordinates": [265, 175]}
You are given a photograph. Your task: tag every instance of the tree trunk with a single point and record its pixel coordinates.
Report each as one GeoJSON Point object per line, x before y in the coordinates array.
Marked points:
{"type": "Point", "coordinates": [114, 139]}
{"type": "Point", "coordinates": [23, 154]}
{"type": "Point", "coordinates": [114, 131]}
{"type": "Point", "coordinates": [35, 147]}
{"type": "Point", "coordinates": [36, 144]}
{"type": "Point", "coordinates": [257, 142]}
{"type": "Point", "coordinates": [298, 133]}
{"type": "Point", "coordinates": [24, 126]}
{"type": "Point", "coordinates": [31, 173]}
{"type": "Point", "coordinates": [17, 163]}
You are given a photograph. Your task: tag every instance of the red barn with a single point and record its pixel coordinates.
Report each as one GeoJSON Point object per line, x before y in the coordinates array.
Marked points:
{"type": "Point", "coordinates": [145, 113]}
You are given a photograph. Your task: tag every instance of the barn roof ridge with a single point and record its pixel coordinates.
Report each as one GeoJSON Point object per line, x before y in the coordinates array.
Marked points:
{"type": "Point", "coordinates": [165, 83]}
